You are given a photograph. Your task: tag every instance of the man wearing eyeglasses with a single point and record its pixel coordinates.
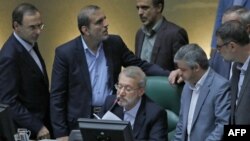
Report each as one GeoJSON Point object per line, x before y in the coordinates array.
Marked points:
{"type": "Point", "coordinates": [148, 120]}
{"type": "Point", "coordinates": [234, 40]}
{"type": "Point", "coordinates": [23, 77]}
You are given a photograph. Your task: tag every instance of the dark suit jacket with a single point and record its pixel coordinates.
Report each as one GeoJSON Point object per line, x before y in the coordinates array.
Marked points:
{"type": "Point", "coordinates": [150, 122]}
{"type": "Point", "coordinates": [170, 38]}
{"type": "Point", "coordinates": [240, 114]}
{"type": "Point", "coordinates": [23, 86]}
{"type": "Point", "coordinates": [71, 92]}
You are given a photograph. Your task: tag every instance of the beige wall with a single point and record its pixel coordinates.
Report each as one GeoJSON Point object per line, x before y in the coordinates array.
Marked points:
{"type": "Point", "coordinates": [59, 16]}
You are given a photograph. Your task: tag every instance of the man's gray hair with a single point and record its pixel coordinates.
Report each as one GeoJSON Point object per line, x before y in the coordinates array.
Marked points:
{"type": "Point", "coordinates": [135, 73]}
{"type": "Point", "coordinates": [192, 54]}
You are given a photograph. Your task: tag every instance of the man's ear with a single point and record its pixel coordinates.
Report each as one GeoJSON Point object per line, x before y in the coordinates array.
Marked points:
{"type": "Point", "coordinates": [16, 25]}
{"type": "Point", "coordinates": [85, 30]}
{"type": "Point", "coordinates": [196, 67]}
{"type": "Point", "coordinates": [232, 46]}
{"type": "Point", "coordinates": [141, 91]}
{"type": "Point", "coordinates": [160, 8]}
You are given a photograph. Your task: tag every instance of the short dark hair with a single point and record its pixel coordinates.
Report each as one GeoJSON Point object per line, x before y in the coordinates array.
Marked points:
{"type": "Point", "coordinates": [83, 16]}
{"type": "Point", "coordinates": [20, 10]}
{"type": "Point", "coordinates": [157, 2]}
{"type": "Point", "coordinates": [233, 31]}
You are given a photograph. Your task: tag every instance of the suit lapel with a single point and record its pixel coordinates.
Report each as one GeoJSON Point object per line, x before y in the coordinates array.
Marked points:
{"type": "Point", "coordinates": [29, 61]}
{"type": "Point", "coordinates": [187, 99]}
{"type": "Point", "coordinates": [245, 84]}
{"type": "Point", "coordinates": [140, 43]}
{"type": "Point", "coordinates": [140, 118]}
{"type": "Point", "coordinates": [81, 57]}
{"type": "Point", "coordinates": [43, 66]}
{"type": "Point", "coordinates": [158, 41]}
{"type": "Point", "coordinates": [204, 91]}
{"type": "Point", "coordinates": [108, 55]}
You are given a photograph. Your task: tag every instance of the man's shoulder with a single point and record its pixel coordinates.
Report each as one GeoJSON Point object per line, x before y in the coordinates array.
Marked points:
{"type": "Point", "coordinates": [10, 47]}
{"type": "Point", "coordinates": [150, 104]}
{"type": "Point", "coordinates": [218, 80]}
{"type": "Point", "coordinates": [171, 24]}
{"type": "Point", "coordinates": [113, 37]}
{"type": "Point", "coordinates": [69, 44]}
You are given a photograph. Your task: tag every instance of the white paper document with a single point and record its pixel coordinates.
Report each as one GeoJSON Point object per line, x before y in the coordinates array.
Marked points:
{"type": "Point", "coordinates": [110, 116]}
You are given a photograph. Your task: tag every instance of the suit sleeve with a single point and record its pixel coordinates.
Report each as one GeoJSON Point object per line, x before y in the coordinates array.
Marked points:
{"type": "Point", "coordinates": [10, 88]}
{"type": "Point", "coordinates": [58, 96]}
{"type": "Point", "coordinates": [222, 112]}
{"type": "Point", "coordinates": [179, 39]}
{"type": "Point", "coordinates": [129, 59]}
{"type": "Point", "coordinates": [179, 127]}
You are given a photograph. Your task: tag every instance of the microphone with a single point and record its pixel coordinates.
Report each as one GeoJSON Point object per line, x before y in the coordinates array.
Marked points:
{"type": "Point", "coordinates": [113, 105]}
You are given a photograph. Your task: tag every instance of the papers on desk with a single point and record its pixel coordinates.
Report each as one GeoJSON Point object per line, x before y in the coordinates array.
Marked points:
{"type": "Point", "coordinates": [108, 116]}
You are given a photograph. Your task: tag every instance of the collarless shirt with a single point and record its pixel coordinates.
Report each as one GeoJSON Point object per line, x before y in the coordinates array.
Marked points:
{"type": "Point", "coordinates": [193, 102]}
{"type": "Point", "coordinates": [98, 71]}
{"type": "Point", "coordinates": [130, 115]}
{"type": "Point", "coordinates": [149, 40]}
{"type": "Point", "coordinates": [30, 50]}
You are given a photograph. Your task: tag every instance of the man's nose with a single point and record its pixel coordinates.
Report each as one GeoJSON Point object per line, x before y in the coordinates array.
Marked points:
{"type": "Point", "coordinates": [140, 11]}
{"type": "Point", "coordinates": [105, 23]}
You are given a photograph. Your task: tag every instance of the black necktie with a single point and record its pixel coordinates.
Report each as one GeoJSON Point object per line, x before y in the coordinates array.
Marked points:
{"type": "Point", "coordinates": [234, 90]}
{"type": "Point", "coordinates": [35, 48]}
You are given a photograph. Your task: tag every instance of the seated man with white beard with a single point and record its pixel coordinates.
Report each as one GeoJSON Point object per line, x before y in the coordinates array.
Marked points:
{"type": "Point", "coordinates": [148, 120]}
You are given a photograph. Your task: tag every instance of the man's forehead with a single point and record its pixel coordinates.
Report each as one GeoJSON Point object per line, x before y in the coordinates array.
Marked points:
{"type": "Point", "coordinates": [96, 15]}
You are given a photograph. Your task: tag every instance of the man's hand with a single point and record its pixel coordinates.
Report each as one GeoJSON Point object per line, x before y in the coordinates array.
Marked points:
{"type": "Point", "coordinates": [43, 133]}
{"type": "Point", "coordinates": [65, 138]}
{"type": "Point", "coordinates": [175, 77]}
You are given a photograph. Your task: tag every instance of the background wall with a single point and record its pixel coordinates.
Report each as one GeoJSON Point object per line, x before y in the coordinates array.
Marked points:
{"type": "Point", "coordinates": [59, 16]}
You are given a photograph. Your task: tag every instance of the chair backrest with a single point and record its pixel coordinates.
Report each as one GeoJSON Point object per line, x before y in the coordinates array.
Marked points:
{"type": "Point", "coordinates": [166, 95]}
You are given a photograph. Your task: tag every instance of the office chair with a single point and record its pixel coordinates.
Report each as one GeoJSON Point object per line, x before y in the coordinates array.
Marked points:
{"type": "Point", "coordinates": [166, 95]}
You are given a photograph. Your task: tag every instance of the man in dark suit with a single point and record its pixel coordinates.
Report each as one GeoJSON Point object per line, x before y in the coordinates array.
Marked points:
{"type": "Point", "coordinates": [148, 120]}
{"type": "Point", "coordinates": [158, 39]}
{"type": "Point", "coordinates": [234, 45]}
{"type": "Point", "coordinates": [23, 77]}
{"type": "Point", "coordinates": [220, 65]}
{"type": "Point", "coordinates": [85, 70]}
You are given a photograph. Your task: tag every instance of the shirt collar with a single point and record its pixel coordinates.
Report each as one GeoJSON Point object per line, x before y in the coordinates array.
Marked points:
{"type": "Point", "coordinates": [201, 81]}
{"type": "Point", "coordinates": [151, 32]}
{"type": "Point", "coordinates": [243, 68]}
{"type": "Point", "coordinates": [26, 45]}
{"type": "Point", "coordinates": [133, 110]}
{"type": "Point", "coordinates": [85, 47]}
